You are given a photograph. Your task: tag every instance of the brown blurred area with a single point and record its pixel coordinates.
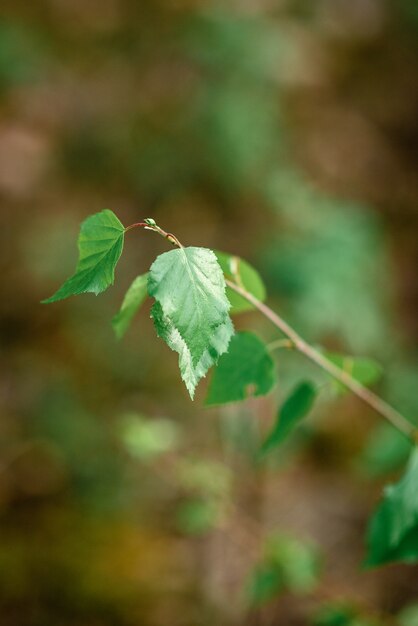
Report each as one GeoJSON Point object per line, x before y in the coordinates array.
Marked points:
{"type": "Point", "coordinates": [285, 131]}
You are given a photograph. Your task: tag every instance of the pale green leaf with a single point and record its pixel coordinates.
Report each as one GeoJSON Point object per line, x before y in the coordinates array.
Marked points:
{"type": "Point", "coordinates": [393, 531]}
{"type": "Point", "coordinates": [242, 273]}
{"type": "Point", "coordinates": [191, 312]}
{"type": "Point", "coordinates": [294, 409]}
{"type": "Point", "coordinates": [100, 245]}
{"type": "Point", "coordinates": [247, 369]}
{"type": "Point", "coordinates": [133, 299]}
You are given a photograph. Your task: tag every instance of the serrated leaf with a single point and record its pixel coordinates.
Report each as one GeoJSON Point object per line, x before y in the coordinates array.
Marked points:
{"type": "Point", "coordinates": [191, 312]}
{"type": "Point", "coordinates": [294, 409]}
{"type": "Point", "coordinates": [242, 273]}
{"type": "Point", "coordinates": [247, 369]}
{"type": "Point", "coordinates": [133, 299]}
{"type": "Point", "coordinates": [366, 371]}
{"type": "Point", "coordinates": [393, 531]}
{"type": "Point", "coordinates": [100, 245]}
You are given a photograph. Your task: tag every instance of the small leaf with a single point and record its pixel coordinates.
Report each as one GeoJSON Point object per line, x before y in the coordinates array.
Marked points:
{"type": "Point", "coordinates": [100, 246]}
{"type": "Point", "coordinates": [393, 531]}
{"type": "Point", "coordinates": [246, 369]}
{"type": "Point", "coordinates": [133, 299]}
{"type": "Point", "coordinates": [295, 408]}
{"type": "Point", "coordinates": [365, 371]}
{"type": "Point", "coordinates": [241, 272]}
{"type": "Point", "coordinates": [191, 312]}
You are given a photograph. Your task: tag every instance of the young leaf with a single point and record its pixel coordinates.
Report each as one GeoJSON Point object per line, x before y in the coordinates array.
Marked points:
{"type": "Point", "coordinates": [246, 369]}
{"type": "Point", "coordinates": [133, 299]}
{"type": "Point", "coordinates": [295, 408]}
{"type": "Point", "coordinates": [365, 371]}
{"type": "Point", "coordinates": [393, 531]}
{"type": "Point", "coordinates": [241, 272]}
{"type": "Point", "coordinates": [100, 245]}
{"type": "Point", "coordinates": [191, 312]}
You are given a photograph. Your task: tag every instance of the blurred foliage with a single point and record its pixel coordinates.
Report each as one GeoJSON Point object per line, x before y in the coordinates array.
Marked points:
{"type": "Point", "coordinates": [284, 133]}
{"type": "Point", "coordinates": [409, 616]}
{"type": "Point", "coordinates": [287, 565]}
{"type": "Point", "coordinates": [342, 615]}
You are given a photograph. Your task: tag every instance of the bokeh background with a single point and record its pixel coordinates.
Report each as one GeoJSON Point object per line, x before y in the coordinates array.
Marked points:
{"type": "Point", "coordinates": [284, 131]}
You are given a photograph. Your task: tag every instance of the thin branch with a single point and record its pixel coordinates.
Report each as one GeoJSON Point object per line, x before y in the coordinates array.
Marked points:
{"type": "Point", "coordinates": [298, 343]}
{"type": "Point", "coordinates": [371, 399]}
{"type": "Point", "coordinates": [156, 229]}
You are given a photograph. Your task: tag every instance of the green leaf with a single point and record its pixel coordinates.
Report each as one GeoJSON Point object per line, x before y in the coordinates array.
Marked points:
{"type": "Point", "coordinates": [247, 369]}
{"type": "Point", "coordinates": [393, 531]}
{"type": "Point", "coordinates": [365, 371]}
{"type": "Point", "coordinates": [191, 312]}
{"type": "Point", "coordinates": [100, 245]}
{"type": "Point", "coordinates": [133, 299]}
{"type": "Point", "coordinates": [241, 272]}
{"type": "Point", "coordinates": [295, 408]}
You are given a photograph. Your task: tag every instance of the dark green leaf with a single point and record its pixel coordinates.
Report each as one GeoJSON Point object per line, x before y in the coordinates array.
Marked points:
{"type": "Point", "coordinates": [100, 246]}
{"type": "Point", "coordinates": [191, 312]}
{"type": "Point", "coordinates": [365, 371]}
{"type": "Point", "coordinates": [134, 297]}
{"type": "Point", "coordinates": [247, 369]}
{"type": "Point", "coordinates": [393, 531]}
{"type": "Point", "coordinates": [295, 408]}
{"type": "Point", "coordinates": [241, 272]}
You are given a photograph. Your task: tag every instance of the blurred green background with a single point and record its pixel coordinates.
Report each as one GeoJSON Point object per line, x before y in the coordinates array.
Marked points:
{"type": "Point", "coordinates": [284, 131]}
